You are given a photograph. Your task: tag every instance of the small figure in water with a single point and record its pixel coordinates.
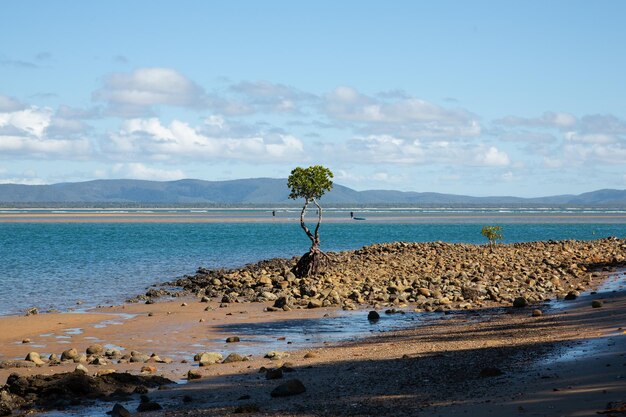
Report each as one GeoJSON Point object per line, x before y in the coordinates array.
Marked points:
{"type": "Point", "coordinates": [273, 213]}
{"type": "Point", "coordinates": [352, 215]}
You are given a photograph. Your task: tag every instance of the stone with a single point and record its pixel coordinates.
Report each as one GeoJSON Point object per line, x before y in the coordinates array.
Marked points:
{"type": "Point", "coordinates": [32, 311]}
{"type": "Point", "coordinates": [275, 355]}
{"type": "Point", "coordinates": [95, 349]}
{"type": "Point", "coordinates": [424, 291]}
{"type": "Point", "coordinates": [99, 361]}
{"type": "Point", "coordinates": [537, 313]}
{"type": "Point", "coordinates": [233, 339]}
{"type": "Point", "coordinates": [119, 411]}
{"type": "Point", "coordinates": [269, 296]}
{"type": "Point", "coordinates": [209, 358]}
{"type": "Point", "coordinates": [274, 373]}
{"type": "Point", "coordinates": [148, 369]}
{"type": "Point", "coordinates": [315, 303]}
{"type": "Point", "coordinates": [194, 374]}
{"type": "Point", "coordinates": [373, 316]}
{"type": "Point", "coordinates": [139, 358]}
{"type": "Point", "coordinates": [520, 302]}
{"type": "Point", "coordinates": [81, 368]}
{"type": "Point", "coordinates": [572, 295]}
{"type": "Point", "coordinates": [69, 354]}
{"type": "Point", "coordinates": [310, 355]}
{"type": "Point", "coordinates": [281, 302]}
{"type": "Point", "coordinates": [596, 304]}
{"type": "Point", "coordinates": [233, 357]}
{"type": "Point", "coordinates": [27, 340]}
{"type": "Point", "coordinates": [289, 388]}
{"type": "Point", "coordinates": [35, 358]}
{"type": "Point", "coordinates": [205, 299]}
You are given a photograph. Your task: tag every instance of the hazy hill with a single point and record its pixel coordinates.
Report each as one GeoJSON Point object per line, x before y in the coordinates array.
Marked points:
{"type": "Point", "coordinates": [260, 191]}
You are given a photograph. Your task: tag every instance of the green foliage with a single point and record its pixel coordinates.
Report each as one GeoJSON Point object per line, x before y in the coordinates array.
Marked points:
{"type": "Point", "coordinates": [492, 233]}
{"type": "Point", "coordinates": [309, 183]}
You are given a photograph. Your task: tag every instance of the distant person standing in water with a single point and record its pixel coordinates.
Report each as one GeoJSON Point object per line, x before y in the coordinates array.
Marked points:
{"type": "Point", "coordinates": [352, 215]}
{"type": "Point", "coordinates": [273, 213]}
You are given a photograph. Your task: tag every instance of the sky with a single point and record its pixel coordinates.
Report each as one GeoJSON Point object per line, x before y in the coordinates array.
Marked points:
{"type": "Point", "coordinates": [523, 98]}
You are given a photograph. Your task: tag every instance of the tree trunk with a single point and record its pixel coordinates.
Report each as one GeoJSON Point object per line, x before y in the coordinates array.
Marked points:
{"type": "Point", "coordinates": [314, 261]}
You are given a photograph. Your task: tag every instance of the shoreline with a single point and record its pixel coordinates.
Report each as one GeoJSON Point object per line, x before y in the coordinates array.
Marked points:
{"type": "Point", "coordinates": [462, 329]}
{"type": "Point", "coordinates": [549, 363]}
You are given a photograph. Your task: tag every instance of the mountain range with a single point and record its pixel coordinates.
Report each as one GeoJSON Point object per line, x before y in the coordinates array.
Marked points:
{"type": "Point", "coordinates": [261, 191]}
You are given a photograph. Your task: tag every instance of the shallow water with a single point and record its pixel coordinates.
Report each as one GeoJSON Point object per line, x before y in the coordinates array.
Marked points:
{"type": "Point", "coordinates": [80, 265]}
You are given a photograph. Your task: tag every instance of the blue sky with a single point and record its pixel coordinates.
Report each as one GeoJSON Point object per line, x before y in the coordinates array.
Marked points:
{"type": "Point", "coordinates": [522, 98]}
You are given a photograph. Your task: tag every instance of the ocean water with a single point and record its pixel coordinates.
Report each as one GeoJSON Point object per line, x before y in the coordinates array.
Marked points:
{"type": "Point", "coordinates": [57, 265]}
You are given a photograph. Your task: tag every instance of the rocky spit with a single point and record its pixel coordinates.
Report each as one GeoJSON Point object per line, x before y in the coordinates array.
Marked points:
{"type": "Point", "coordinates": [428, 276]}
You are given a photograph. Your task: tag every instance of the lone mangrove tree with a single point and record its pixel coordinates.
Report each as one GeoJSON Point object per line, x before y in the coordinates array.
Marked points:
{"type": "Point", "coordinates": [311, 184]}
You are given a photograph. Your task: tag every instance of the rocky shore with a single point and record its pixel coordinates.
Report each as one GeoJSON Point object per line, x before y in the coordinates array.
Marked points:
{"type": "Point", "coordinates": [429, 276]}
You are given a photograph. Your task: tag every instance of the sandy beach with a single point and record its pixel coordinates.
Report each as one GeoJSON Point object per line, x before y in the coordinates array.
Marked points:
{"type": "Point", "coordinates": [570, 361]}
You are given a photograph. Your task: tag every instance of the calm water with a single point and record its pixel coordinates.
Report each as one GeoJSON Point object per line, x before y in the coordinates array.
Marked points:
{"type": "Point", "coordinates": [54, 265]}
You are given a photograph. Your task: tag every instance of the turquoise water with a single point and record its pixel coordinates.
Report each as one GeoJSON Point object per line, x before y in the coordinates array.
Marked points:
{"type": "Point", "coordinates": [55, 265]}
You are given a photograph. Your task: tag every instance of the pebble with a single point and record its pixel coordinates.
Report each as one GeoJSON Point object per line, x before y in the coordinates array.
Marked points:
{"type": "Point", "coordinates": [119, 411]}
{"type": "Point", "coordinates": [596, 304]}
{"type": "Point", "coordinates": [520, 302]}
{"type": "Point", "coordinates": [232, 339]}
{"type": "Point", "coordinates": [537, 313]}
{"type": "Point", "coordinates": [194, 374]}
{"type": "Point", "coordinates": [373, 316]}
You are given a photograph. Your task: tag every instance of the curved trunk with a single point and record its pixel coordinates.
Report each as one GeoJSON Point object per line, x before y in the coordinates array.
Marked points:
{"type": "Point", "coordinates": [303, 225]}
{"type": "Point", "coordinates": [314, 260]}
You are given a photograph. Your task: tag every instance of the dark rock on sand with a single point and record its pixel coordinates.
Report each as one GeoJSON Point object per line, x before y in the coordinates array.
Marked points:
{"type": "Point", "coordinates": [233, 339]}
{"type": "Point", "coordinates": [233, 357]}
{"type": "Point", "coordinates": [572, 295]}
{"type": "Point", "coordinates": [520, 302]}
{"type": "Point", "coordinates": [119, 411]}
{"type": "Point", "coordinates": [149, 406]}
{"type": "Point", "coordinates": [247, 408]}
{"type": "Point", "coordinates": [52, 391]}
{"type": "Point", "coordinates": [596, 304]}
{"type": "Point", "coordinates": [373, 316]}
{"type": "Point", "coordinates": [289, 388]}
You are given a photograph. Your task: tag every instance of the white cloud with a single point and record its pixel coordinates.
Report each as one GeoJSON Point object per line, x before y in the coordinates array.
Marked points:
{"type": "Point", "coordinates": [347, 104]}
{"type": "Point", "coordinates": [492, 157]}
{"type": "Point", "coordinates": [149, 138]}
{"type": "Point", "coordinates": [139, 90]}
{"type": "Point", "coordinates": [552, 163]}
{"type": "Point", "coordinates": [140, 171]}
{"type": "Point", "coordinates": [264, 96]}
{"type": "Point", "coordinates": [560, 120]}
{"type": "Point", "coordinates": [24, 133]}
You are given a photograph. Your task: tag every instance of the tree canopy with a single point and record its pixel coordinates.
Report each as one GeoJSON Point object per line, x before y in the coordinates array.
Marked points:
{"type": "Point", "coordinates": [309, 183]}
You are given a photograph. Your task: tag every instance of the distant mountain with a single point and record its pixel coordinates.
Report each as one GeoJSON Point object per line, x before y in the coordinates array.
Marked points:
{"type": "Point", "coordinates": [260, 191]}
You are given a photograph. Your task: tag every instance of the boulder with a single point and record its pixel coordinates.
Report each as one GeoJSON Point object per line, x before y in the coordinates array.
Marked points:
{"type": "Point", "coordinates": [69, 354]}
{"type": "Point", "coordinates": [289, 388]}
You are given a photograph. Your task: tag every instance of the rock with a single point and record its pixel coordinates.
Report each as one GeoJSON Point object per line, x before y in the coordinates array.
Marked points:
{"type": "Point", "coordinates": [281, 302]}
{"type": "Point", "coordinates": [373, 316]}
{"type": "Point", "coordinates": [232, 339]}
{"type": "Point", "coordinates": [99, 361]}
{"type": "Point", "coordinates": [274, 373]}
{"type": "Point", "coordinates": [275, 355]}
{"type": "Point", "coordinates": [310, 355]}
{"type": "Point", "coordinates": [289, 388]}
{"type": "Point", "coordinates": [69, 354]}
{"type": "Point", "coordinates": [572, 295]}
{"type": "Point", "coordinates": [95, 349]}
{"type": "Point", "coordinates": [81, 359]}
{"type": "Point", "coordinates": [32, 311]}
{"type": "Point", "coordinates": [81, 368]}
{"type": "Point", "coordinates": [269, 296]}
{"type": "Point", "coordinates": [490, 372]}
{"type": "Point", "coordinates": [205, 299]}
{"type": "Point", "coordinates": [148, 369]}
{"type": "Point", "coordinates": [596, 304]}
{"type": "Point", "coordinates": [27, 340]}
{"type": "Point", "coordinates": [35, 358]}
{"type": "Point", "coordinates": [209, 358]}
{"type": "Point", "coordinates": [139, 358]}
{"type": "Point", "coordinates": [182, 305]}
{"type": "Point", "coordinates": [424, 291]}
{"type": "Point", "coordinates": [194, 374]}
{"type": "Point", "coordinates": [16, 364]}
{"type": "Point", "coordinates": [119, 411]}
{"type": "Point", "coordinates": [233, 357]}
{"type": "Point", "coordinates": [520, 302]}
{"type": "Point", "coordinates": [537, 313]}
{"type": "Point", "coordinates": [315, 303]}
{"type": "Point", "coordinates": [112, 353]}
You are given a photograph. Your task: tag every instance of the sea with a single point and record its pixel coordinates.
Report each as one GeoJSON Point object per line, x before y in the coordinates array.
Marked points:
{"type": "Point", "coordinates": [66, 260]}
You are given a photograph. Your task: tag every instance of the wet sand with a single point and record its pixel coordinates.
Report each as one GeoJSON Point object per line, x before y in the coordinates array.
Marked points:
{"type": "Point", "coordinates": [571, 361]}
